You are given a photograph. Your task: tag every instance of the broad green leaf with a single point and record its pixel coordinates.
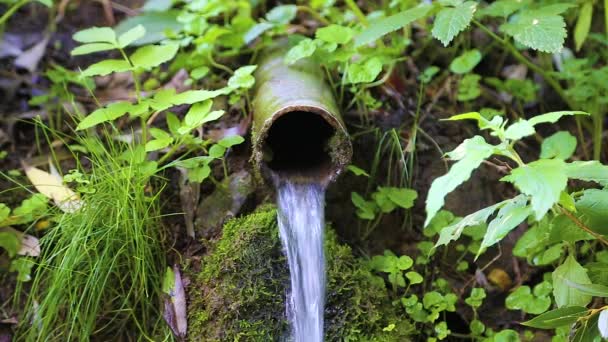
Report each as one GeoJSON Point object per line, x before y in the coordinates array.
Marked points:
{"type": "Point", "coordinates": [158, 144]}
{"type": "Point", "coordinates": [563, 229]}
{"type": "Point", "coordinates": [404, 262]}
{"type": "Point", "coordinates": [305, 48]}
{"type": "Point", "coordinates": [197, 113]}
{"type": "Point", "coordinates": [402, 197]}
{"type": "Point", "coordinates": [382, 26]}
{"type": "Point", "coordinates": [566, 315]}
{"type": "Point", "coordinates": [590, 171]}
{"type": "Point", "coordinates": [23, 267]}
{"type": "Point", "coordinates": [451, 21]}
{"type": "Point", "coordinates": [107, 67]}
{"type": "Point", "coordinates": [168, 281]}
{"type": "Point", "coordinates": [282, 14]}
{"type": "Point", "coordinates": [96, 35]}
{"type": "Point", "coordinates": [365, 209]}
{"type": "Point", "coordinates": [594, 290]}
{"type": "Point", "coordinates": [335, 34]}
{"type": "Point", "coordinates": [503, 8]}
{"type": "Point", "coordinates": [357, 170]}
{"type": "Point", "coordinates": [156, 24]}
{"type": "Point", "coordinates": [242, 78]}
{"type": "Point", "coordinates": [91, 47]}
{"type": "Point", "coordinates": [583, 24]}
{"type": "Point", "coordinates": [131, 35]}
{"type": "Point", "coordinates": [482, 122]}
{"type": "Point", "coordinates": [364, 72]}
{"type": "Point", "coordinates": [598, 272]}
{"type": "Point", "coordinates": [538, 30]}
{"type": "Point", "coordinates": [454, 231]}
{"type": "Point", "coordinates": [151, 56]}
{"type": "Point", "coordinates": [230, 141]}
{"type": "Point", "coordinates": [518, 130]}
{"type": "Point", "coordinates": [560, 145]}
{"type": "Point", "coordinates": [5, 211]}
{"type": "Point", "coordinates": [31, 208]}
{"type": "Point", "coordinates": [158, 133]}
{"type": "Point", "coordinates": [199, 174]}
{"type": "Point", "coordinates": [469, 155]}
{"type": "Point", "coordinates": [468, 87]}
{"type": "Point", "coordinates": [414, 277]}
{"type": "Point", "coordinates": [256, 31]}
{"type": "Point", "coordinates": [10, 242]}
{"type": "Point", "coordinates": [199, 72]}
{"type": "Point", "coordinates": [509, 216]}
{"type": "Point", "coordinates": [105, 114]}
{"type": "Point", "coordinates": [593, 209]}
{"type": "Point", "coordinates": [552, 117]}
{"type": "Point", "coordinates": [217, 151]}
{"type": "Point", "coordinates": [194, 96]}
{"type": "Point", "coordinates": [543, 180]}
{"type": "Point", "coordinates": [565, 295]}
{"type": "Point", "coordinates": [588, 330]}
{"type": "Point", "coordinates": [465, 62]}
{"type": "Point", "coordinates": [523, 299]}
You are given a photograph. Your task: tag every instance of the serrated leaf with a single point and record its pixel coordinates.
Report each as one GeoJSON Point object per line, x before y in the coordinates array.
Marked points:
{"type": "Point", "coordinates": [552, 117]}
{"type": "Point", "coordinates": [560, 145]}
{"type": "Point", "coordinates": [90, 48]}
{"type": "Point", "coordinates": [465, 62]}
{"type": "Point", "coordinates": [107, 67]}
{"type": "Point", "coordinates": [111, 112]}
{"type": "Point", "coordinates": [364, 72]}
{"type": "Point", "coordinates": [567, 315]}
{"type": "Point", "coordinates": [131, 35]}
{"type": "Point", "coordinates": [590, 171]}
{"type": "Point", "coordinates": [96, 35]}
{"type": "Point", "coordinates": [565, 295]}
{"type": "Point", "coordinates": [382, 26]}
{"type": "Point", "coordinates": [518, 130]}
{"type": "Point", "coordinates": [509, 216]}
{"type": "Point", "coordinates": [451, 21]}
{"type": "Point", "coordinates": [543, 180]}
{"type": "Point", "coordinates": [537, 30]}
{"type": "Point", "coordinates": [469, 155]}
{"type": "Point", "coordinates": [305, 48]}
{"type": "Point", "coordinates": [454, 231]}
{"type": "Point", "coordinates": [151, 56]}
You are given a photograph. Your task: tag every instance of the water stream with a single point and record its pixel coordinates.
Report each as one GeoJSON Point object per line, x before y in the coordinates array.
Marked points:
{"type": "Point", "coordinates": [301, 223]}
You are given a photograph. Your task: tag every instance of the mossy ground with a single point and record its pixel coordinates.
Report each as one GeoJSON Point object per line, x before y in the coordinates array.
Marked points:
{"type": "Point", "coordinates": [239, 295]}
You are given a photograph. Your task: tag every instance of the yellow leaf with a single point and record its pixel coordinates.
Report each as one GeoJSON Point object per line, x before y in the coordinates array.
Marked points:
{"type": "Point", "coordinates": [52, 187]}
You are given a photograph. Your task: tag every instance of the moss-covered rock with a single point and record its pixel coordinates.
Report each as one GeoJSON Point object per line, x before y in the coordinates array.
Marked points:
{"type": "Point", "coordinates": [239, 295]}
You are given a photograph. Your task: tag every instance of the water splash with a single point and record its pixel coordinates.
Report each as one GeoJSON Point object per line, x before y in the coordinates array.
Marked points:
{"type": "Point", "coordinates": [301, 223]}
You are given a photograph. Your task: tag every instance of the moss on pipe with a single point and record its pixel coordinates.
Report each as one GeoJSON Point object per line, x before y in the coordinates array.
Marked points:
{"type": "Point", "coordinates": [298, 89]}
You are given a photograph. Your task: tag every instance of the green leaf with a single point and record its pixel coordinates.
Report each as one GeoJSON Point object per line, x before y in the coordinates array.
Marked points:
{"type": "Point", "coordinates": [518, 130]}
{"type": "Point", "coordinates": [523, 299]}
{"type": "Point", "coordinates": [509, 216]}
{"type": "Point", "coordinates": [5, 211]}
{"type": "Point", "coordinates": [468, 87]}
{"type": "Point", "coordinates": [111, 112]}
{"type": "Point", "coordinates": [230, 141]}
{"type": "Point", "coordinates": [402, 197]}
{"type": "Point", "coordinates": [305, 48]}
{"type": "Point", "coordinates": [404, 262]}
{"type": "Point", "coordinates": [31, 208]}
{"type": "Point", "coordinates": [151, 56]}
{"type": "Point", "coordinates": [538, 30]}
{"type": "Point", "coordinates": [476, 298]}
{"type": "Point", "coordinates": [106, 67]}
{"type": "Point", "coordinates": [593, 209]}
{"type": "Point", "coordinates": [560, 145]}
{"type": "Point", "coordinates": [469, 155]}
{"type": "Point", "coordinates": [451, 21]}
{"type": "Point", "coordinates": [242, 78]}
{"type": "Point", "coordinates": [583, 24]}
{"type": "Point", "coordinates": [335, 34]}
{"type": "Point", "coordinates": [567, 315]}
{"type": "Point", "coordinates": [414, 277]}
{"type": "Point", "coordinates": [366, 209]}
{"type": "Point", "coordinates": [217, 151]}
{"type": "Point", "coordinates": [155, 23]}
{"type": "Point", "coordinates": [199, 174]}
{"type": "Point", "coordinates": [47, 3]}
{"type": "Point", "coordinates": [563, 229]}
{"type": "Point", "coordinates": [158, 144]}
{"type": "Point", "coordinates": [96, 35]}
{"type": "Point", "coordinates": [168, 281]}
{"type": "Point", "coordinates": [594, 290]}
{"type": "Point", "coordinates": [589, 171]}
{"type": "Point", "coordinates": [357, 170]}
{"type": "Point", "coordinates": [256, 31]}
{"type": "Point", "coordinates": [90, 48]}
{"type": "Point", "coordinates": [465, 62]}
{"type": "Point", "coordinates": [382, 26]}
{"type": "Point", "coordinates": [282, 14]}
{"type": "Point", "coordinates": [454, 231]}
{"type": "Point", "coordinates": [543, 180]}
{"type": "Point", "coordinates": [565, 295]}
{"type": "Point", "coordinates": [11, 242]}
{"type": "Point", "coordinates": [198, 115]}
{"type": "Point", "coordinates": [199, 72]}
{"type": "Point", "coordinates": [364, 72]}
{"type": "Point", "coordinates": [482, 122]}
{"type": "Point", "coordinates": [23, 267]}
{"type": "Point", "coordinates": [131, 35]}
{"type": "Point", "coordinates": [552, 117]}
{"type": "Point", "coordinates": [503, 8]}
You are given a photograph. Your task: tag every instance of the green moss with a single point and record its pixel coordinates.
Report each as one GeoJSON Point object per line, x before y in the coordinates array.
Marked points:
{"type": "Point", "coordinates": [239, 295]}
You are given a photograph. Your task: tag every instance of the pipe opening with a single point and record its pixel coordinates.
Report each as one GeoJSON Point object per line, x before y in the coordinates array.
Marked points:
{"type": "Point", "coordinates": [297, 143]}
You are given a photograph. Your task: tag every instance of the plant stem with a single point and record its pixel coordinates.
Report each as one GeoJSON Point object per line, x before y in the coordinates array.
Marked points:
{"type": "Point", "coordinates": [582, 226]}
{"type": "Point", "coordinates": [358, 13]}
{"type": "Point", "coordinates": [517, 55]}
{"type": "Point", "coordinates": [12, 10]}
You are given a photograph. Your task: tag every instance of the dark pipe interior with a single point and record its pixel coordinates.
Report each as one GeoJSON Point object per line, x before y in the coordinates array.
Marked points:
{"type": "Point", "coordinates": [297, 143]}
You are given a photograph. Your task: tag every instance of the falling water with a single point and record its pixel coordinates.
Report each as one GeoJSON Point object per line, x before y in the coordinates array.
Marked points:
{"type": "Point", "coordinates": [301, 223]}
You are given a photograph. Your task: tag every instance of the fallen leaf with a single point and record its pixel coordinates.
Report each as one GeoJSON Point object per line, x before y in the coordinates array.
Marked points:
{"type": "Point", "coordinates": [30, 246]}
{"type": "Point", "coordinates": [500, 278]}
{"type": "Point", "coordinates": [30, 58]}
{"type": "Point", "coordinates": [175, 306]}
{"type": "Point", "coordinates": [52, 187]}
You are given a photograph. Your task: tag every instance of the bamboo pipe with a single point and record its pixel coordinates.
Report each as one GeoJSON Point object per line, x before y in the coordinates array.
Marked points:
{"type": "Point", "coordinates": [298, 133]}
